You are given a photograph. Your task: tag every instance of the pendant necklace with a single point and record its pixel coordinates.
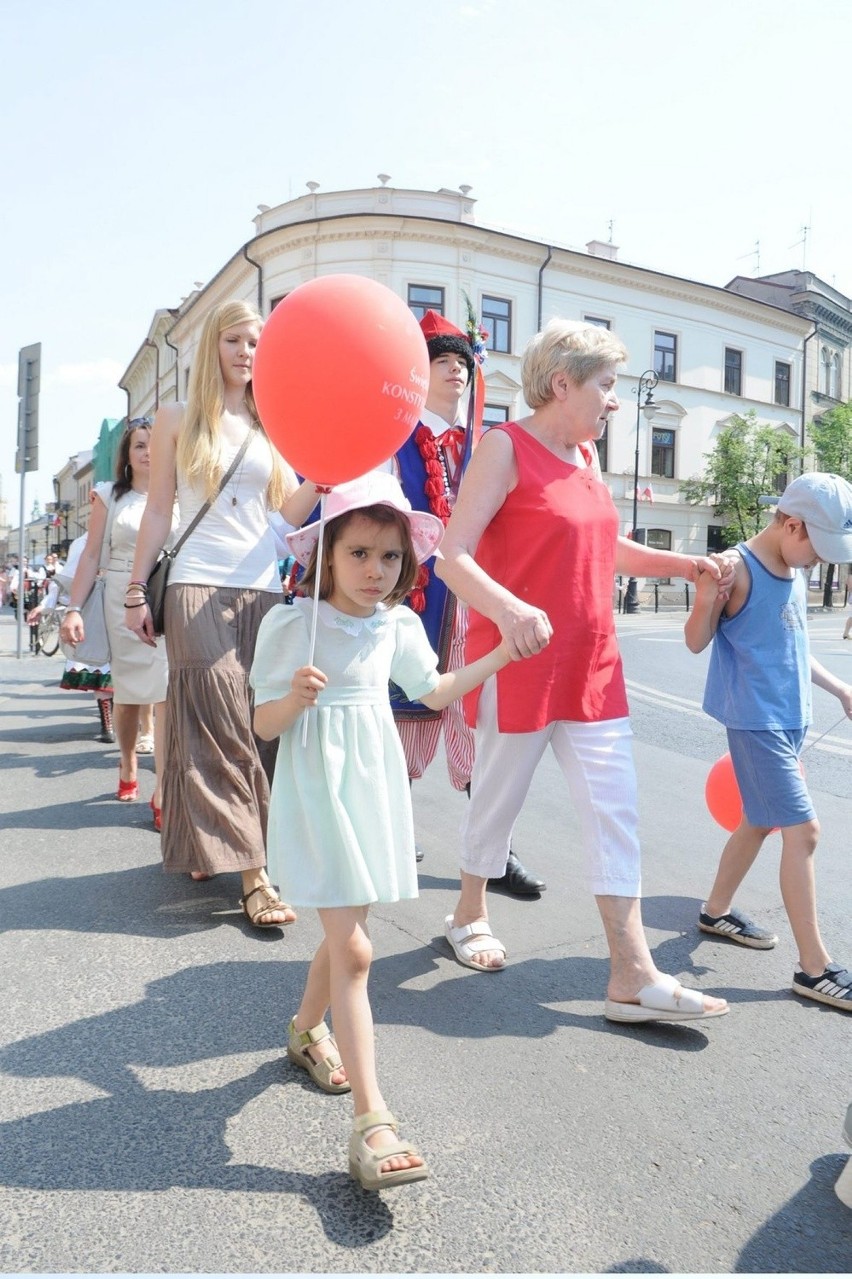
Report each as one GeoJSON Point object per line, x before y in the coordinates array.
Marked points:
{"type": "Point", "coordinates": [235, 480]}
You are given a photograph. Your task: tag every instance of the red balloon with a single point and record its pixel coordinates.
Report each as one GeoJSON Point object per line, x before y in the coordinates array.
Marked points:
{"type": "Point", "coordinates": [723, 794]}
{"type": "Point", "coordinates": [340, 376]}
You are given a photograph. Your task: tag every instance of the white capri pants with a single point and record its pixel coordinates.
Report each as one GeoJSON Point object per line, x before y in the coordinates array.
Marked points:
{"type": "Point", "coordinates": [597, 761]}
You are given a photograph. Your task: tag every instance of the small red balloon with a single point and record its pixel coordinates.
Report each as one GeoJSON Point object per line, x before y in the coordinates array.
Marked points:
{"type": "Point", "coordinates": [340, 376]}
{"type": "Point", "coordinates": [723, 794]}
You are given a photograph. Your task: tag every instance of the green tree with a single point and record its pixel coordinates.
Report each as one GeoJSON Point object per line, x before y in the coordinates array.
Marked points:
{"type": "Point", "coordinates": [749, 461]}
{"type": "Point", "coordinates": [831, 437]}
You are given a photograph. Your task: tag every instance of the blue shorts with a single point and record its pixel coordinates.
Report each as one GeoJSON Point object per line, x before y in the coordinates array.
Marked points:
{"type": "Point", "coordinates": [766, 765]}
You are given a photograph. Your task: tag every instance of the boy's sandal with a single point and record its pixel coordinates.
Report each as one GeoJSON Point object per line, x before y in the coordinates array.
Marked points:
{"type": "Point", "coordinates": [474, 939]}
{"type": "Point", "coordinates": [365, 1163]}
{"type": "Point", "coordinates": [269, 901]}
{"type": "Point", "coordinates": [298, 1050]}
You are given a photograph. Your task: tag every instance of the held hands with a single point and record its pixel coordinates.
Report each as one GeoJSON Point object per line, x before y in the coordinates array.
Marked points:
{"type": "Point", "coordinates": [714, 575]}
{"type": "Point", "coordinates": [306, 684]}
{"type": "Point", "coordinates": [526, 630]}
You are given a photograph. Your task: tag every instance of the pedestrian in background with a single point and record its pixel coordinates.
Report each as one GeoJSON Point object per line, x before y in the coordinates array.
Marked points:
{"type": "Point", "coordinates": [139, 672]}
{"type": "Point", "coordinates": [429, 467]}
{"type": "Point", "coordinates": [78, 676]}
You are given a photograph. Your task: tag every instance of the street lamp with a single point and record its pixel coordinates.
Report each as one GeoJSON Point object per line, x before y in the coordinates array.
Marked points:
{"type": "Point", "coordinates": [647, 382]}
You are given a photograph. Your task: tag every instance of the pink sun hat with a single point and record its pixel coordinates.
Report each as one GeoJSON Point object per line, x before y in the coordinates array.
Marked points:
{"type": "Point", "coordinates": [376, 488]}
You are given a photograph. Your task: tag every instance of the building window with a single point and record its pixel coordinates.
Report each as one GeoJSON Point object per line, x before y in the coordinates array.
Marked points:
{"type": "Point", "coordinates": [492, 414]}
{"type": "Point", "coordinates": [423, 298]}
{"type": "Point", "coordinates": [835, 376]}
{"type": "Point", "coordinates": [186, 383]}
{"type": "Point", "coordinates": [273, 302]}
{"type": "Point", "coordinates": [596, 319]}
{"type": "Point", "coordinates": [782, 383]}
{"type": "Point", "coordinates": [716, 540]}
{"type": "Point", "coordinates": [826, 371]}
{"type": "Point", "coordinates": [733, 371]}
{"type": "Point", "coordinates": [665, 356]}
{"type": "Point", "coordinates": [497, 322]}
{"type": "Point", "coordinates": [663, 453]}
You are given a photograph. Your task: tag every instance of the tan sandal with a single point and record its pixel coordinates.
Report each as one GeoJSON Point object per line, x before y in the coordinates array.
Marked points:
{"type": "Point", "coordinates": [298, 1050]}
{"type": "Point", "coordinates": [365, 1163]}
{"type": "Point", "coordinates": [271, 901]}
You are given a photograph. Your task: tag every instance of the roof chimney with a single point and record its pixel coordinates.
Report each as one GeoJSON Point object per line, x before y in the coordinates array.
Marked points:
{"type": "Point", "coordinates": [603, 249]}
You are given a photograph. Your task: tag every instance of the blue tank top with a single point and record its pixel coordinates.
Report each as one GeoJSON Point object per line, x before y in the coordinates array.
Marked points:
{"type": "Point", "coordinates": [759, 675]}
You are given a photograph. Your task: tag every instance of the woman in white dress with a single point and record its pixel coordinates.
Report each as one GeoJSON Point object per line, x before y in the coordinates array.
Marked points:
{"type": "Point", "coordinates": [139, 673]}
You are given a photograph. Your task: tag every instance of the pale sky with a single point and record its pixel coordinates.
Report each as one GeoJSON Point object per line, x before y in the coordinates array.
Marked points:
{"type": "Point", "coordinates": [139, 139]}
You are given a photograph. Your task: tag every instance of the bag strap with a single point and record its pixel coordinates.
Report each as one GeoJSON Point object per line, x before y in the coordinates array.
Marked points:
{"type": "Point", "coordinates": [206, 507]}
{"type": "Point", "coordinates": [106, 549]}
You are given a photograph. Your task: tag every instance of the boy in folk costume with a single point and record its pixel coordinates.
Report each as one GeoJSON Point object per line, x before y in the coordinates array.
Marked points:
{"type": "Point", "coordinates": [430, 466]}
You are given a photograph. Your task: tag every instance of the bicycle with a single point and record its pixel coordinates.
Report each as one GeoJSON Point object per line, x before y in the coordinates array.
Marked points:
{"type": "Point", "coordinates": [48, 631]}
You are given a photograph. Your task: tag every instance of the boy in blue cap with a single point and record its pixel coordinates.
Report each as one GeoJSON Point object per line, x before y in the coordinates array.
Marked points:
{"type": "Point", "coordinates": [759, 686]}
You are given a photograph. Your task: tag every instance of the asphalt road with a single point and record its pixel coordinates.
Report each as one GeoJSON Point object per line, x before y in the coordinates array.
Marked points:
{"type": "Point", "coordinates": [150, 1123]}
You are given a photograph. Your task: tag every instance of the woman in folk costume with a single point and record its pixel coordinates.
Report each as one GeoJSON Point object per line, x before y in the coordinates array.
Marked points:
{"type": "Point", "coordinates": [430, 466]}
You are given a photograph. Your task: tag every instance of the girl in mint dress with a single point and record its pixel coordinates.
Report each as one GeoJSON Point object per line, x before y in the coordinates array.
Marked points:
{"type": "Point", "coordinates": [341, 833]}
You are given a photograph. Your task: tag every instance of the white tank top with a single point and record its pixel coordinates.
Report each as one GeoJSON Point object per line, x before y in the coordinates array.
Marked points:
{"type": "Point", "coordinates": [233, 545]}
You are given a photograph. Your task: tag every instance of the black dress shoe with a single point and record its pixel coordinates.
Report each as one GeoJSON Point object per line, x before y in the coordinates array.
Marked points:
{"type": "Point", "coordinates": [517, 881]}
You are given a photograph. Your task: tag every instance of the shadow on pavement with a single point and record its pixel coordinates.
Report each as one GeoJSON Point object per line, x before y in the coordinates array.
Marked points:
{"type": "Point", "coordinates": [142, 1139]}
{"type": "Point", "coordinates": [811, 1234]}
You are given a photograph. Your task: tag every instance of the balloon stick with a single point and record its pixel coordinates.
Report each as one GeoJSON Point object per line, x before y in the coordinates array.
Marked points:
{"type": "Point", "coordinates": [317, 579]}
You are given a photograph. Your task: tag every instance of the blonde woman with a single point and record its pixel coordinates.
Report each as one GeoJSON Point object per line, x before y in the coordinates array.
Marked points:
{"type": "Point", "coordinates": [223, 582]}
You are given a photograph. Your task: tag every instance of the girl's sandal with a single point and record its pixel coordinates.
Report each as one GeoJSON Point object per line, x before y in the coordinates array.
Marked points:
{"type": "Point", "coordinates": [365, 1163]}
{"type": "Point", "coordinates": [298, 1050]}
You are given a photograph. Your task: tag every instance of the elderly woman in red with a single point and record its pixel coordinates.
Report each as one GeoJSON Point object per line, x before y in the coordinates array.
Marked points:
{"type": "Point", "coordinates": [532, 547]}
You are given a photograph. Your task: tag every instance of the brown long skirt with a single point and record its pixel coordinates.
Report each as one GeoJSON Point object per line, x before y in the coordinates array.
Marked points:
{"type": "Point", "coordinates": [216, 773]}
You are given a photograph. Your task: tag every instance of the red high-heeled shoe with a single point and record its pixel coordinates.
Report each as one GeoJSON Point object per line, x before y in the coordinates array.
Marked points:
{"type": "Point", "coordinates": [127, 790]}
{"type": "Point", "coordinates": [158, 816]}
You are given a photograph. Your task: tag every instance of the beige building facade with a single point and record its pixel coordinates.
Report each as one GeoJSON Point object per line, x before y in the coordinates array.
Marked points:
{"type": "Point", "coordinates": [717, 351]}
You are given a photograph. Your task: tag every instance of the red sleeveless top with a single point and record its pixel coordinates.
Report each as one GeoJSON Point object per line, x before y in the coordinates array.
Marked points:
{"type": "Point", "coordinates": [553, 544]}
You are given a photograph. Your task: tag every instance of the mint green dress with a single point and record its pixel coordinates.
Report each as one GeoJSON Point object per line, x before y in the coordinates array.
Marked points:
{"type": "Point", "coordinates": [341, 831]}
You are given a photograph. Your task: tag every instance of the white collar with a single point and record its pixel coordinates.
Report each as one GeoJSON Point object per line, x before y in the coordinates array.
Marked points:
{"type": "Point", "coordinates": [437, 424]}
{"type": "Point", "coordinates": [336, 621]}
